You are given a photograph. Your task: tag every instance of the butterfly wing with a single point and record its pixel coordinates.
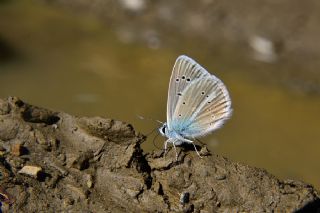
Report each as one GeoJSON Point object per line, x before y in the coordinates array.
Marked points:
{"type": "Point", "coordinates": [213, 111]}
{"type": "Point", "coordinates": [202, 107]}
{"type": "Point", "coordinates": [185, 71]}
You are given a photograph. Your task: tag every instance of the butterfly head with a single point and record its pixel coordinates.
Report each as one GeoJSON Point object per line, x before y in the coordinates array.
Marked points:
{"type": "Point", "coordinates": [163, 129]}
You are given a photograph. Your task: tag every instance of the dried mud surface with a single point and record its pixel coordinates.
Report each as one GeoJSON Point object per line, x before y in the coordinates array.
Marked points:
{"type": "Point", "coordinates": [96, 165]}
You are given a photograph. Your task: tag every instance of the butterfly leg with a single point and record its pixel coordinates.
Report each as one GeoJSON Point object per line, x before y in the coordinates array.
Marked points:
{"type": "Point", "coordinates": [195, 148]}
{"type": "Point", "coordinates": [175, 149]}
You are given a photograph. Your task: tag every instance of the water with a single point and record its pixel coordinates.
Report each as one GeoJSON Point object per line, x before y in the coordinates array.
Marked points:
{"type": "Point", "coordinates": [77, 65]}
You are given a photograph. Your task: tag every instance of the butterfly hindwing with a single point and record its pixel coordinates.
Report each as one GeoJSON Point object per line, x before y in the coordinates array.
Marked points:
{"type": "Point", "coordinates": [185, 71]}
{"type": "Point", "coordinates": [215, 111]}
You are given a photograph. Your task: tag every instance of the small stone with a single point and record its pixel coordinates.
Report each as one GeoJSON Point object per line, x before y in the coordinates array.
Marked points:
{"type": "Point", "coordinates": [17, 150]}
{"type": "Point", "coordinates": [220, 176]}
{"type": "Point", "coordinates": [54, 126]}
{"type": "Point", "coordinates": [89, 181]}
{"type": "Point", "coordinates": [32, 171]}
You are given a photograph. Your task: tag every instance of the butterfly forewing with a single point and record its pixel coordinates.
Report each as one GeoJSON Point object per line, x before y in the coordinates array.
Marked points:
{"type": "Point", "coordinates": [185, 71]}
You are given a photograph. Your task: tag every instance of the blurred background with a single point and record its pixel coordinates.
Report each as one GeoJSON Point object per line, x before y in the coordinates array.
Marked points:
{"type": "Point", "coordinates": [114, 59]}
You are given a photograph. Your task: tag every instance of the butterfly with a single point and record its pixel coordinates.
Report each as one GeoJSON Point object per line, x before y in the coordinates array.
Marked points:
{"type": "Point", "coordinates": [198, 103]}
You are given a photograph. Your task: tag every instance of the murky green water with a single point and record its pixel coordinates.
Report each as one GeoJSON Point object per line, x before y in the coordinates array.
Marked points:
{"type": "Point", "coordinates": [78, 65]}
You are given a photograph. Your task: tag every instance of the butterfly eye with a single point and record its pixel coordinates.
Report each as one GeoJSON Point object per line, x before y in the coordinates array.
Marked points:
{"type": "Point", "coordinates": [184, 103]}
{"type": "Point", "coordinates": [180, 115]}
{"type": "Point", "coordinates": [163, 130]}
{"type": "Point", "coordinates": [179, 94]}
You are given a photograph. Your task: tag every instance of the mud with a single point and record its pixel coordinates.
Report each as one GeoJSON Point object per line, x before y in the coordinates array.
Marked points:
{"type": "Point", "coordinates": [82, 164]}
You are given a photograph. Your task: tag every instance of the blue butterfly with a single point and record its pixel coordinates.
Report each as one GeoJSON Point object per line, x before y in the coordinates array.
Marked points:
{"type": "Point", "coordinates": [198, 103]}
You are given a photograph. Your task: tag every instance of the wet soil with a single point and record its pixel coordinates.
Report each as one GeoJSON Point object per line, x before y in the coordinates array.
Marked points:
{"type": "Point", "coordinates": [54, 162]}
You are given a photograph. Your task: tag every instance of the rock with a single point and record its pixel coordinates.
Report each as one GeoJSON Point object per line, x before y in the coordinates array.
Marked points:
{"type": "Point", "coordinates": [32, 171]}
{"type": "Point", "coordinates": [17, 149]}
{"type": "Point", "coordinates": [86, 171]}
{"type": "Point", "coordinates": [89, 181]}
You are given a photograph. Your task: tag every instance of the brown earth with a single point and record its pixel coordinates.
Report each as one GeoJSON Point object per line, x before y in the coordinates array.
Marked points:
{"type": "Point", "coordinates": [81, 164]}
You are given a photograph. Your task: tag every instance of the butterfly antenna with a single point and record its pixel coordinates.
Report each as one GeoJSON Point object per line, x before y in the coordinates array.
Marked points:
{"type": "Point", "coordinates": [149, 119]}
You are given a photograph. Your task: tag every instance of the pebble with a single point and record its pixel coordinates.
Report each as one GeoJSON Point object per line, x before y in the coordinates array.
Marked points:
{"type": "Point", "coordinates": [17, 149]}
{"type": "Point", "coordinates": [32, 171]}
{"type": "Point", "coordinates": [220, 177]}
{"type": "Point", "coordinates": [89, 181]}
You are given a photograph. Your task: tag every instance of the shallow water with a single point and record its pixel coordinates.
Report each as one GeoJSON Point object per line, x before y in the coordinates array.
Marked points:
{"type": "Point", "coordinates": [78, 65]}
